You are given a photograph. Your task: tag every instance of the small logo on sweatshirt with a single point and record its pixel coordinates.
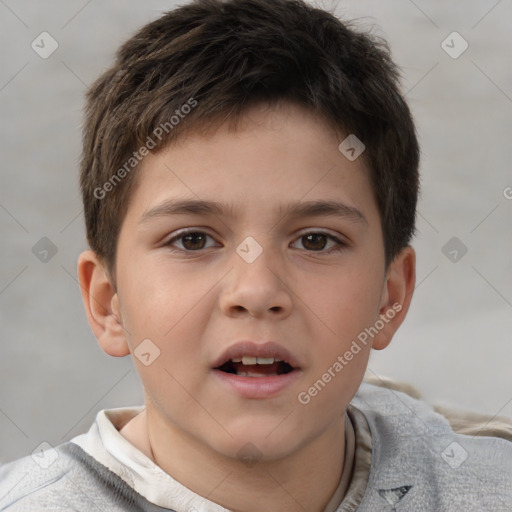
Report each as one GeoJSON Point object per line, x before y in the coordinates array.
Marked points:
{"type": "Point", "coordinates": [395, 495]}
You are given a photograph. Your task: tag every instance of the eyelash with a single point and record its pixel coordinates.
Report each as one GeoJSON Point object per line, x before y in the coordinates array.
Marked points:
{"type": "Point", "coordinates": [337, 248]}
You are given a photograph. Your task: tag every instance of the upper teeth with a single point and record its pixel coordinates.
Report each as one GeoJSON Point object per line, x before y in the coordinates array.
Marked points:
{"type": "Point", "coordinates": [255, 360]}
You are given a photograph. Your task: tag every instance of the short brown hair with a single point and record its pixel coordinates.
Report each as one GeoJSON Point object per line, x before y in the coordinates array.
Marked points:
{"type": "Point", "coordinates": [209, 61]}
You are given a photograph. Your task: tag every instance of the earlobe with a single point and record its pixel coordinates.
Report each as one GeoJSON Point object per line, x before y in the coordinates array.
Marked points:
{"type": "Point", "coordinates": [396, 296]}
{"type": "Point", "coordinates": [101, 304]}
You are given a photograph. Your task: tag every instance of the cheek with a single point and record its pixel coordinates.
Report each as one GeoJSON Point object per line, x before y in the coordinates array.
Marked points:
{"type": "Point", "coordinates": [172, 309]}
{"type": "Point", "coordinates": [342, 304]}
{"type": "Point", "coordinates": [171, 377]}
{"type": "Point", "coordinates": [161, 301]}
{"type": "Point", "coordinates": [333, 382]}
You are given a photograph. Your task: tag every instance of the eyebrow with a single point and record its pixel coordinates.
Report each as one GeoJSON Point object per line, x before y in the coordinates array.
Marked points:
{"type": "Point", "coordinates": [294, 209]}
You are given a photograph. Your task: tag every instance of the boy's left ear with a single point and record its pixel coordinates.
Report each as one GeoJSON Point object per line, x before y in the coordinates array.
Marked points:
{"type": "Point", "coordinates": [396, 296]}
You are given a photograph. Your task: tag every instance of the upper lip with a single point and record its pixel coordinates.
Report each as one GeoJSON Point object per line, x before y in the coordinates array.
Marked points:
{"type": "Point", "coordinates": [255, 349]}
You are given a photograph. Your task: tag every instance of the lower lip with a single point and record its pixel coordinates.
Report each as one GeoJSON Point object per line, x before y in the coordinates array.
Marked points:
{"type": "Point", "coordinates": [257, 387]}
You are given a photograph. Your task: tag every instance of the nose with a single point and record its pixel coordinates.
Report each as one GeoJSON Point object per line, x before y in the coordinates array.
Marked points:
{"type": "Point", "coordinates": [257, 289]}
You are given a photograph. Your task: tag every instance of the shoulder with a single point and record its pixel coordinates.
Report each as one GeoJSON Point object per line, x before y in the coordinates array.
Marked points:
{"type": "Point", "coordinates": [418, 456]}
{"type": "Point", "coordinates": [463, 422]}
{"type": "Point", "coordinates": [64, 478]}
{"type": "Point", "coordinates": [28, 482]}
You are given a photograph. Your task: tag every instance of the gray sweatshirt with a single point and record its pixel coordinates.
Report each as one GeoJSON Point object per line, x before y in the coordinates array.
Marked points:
{"type": "Point", "coordinates": [418, 463]}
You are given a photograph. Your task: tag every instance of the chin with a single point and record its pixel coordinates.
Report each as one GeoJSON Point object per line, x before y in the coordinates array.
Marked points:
{"type": "Point", "coordinates": [258, 440]}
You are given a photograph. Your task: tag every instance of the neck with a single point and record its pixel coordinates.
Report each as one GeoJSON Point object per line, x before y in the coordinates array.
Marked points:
{"type": "Point", "coordinates": [304, 480]}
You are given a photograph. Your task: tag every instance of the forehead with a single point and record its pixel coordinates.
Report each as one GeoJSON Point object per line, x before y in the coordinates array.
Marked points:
{"type": "Point", "coordinates": [275, 157]}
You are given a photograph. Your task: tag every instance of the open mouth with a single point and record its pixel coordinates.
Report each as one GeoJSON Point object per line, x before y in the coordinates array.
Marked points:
{"type": "Point", "coordinates": [249, 366]}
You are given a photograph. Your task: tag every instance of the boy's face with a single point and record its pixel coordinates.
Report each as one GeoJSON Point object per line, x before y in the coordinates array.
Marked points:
{"type": "Point", "coordinates": [250, 274]}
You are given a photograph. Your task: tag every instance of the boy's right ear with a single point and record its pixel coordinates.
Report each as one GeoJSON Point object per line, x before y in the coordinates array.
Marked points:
{"type": "Point", "coordinates": [101, 305]}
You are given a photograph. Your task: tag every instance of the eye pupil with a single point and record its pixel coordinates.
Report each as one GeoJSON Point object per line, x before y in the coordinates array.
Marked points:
{"type": "Point", "coordinates": [194, 238]}
{"type": "Point", "coordinates": [315, 238]}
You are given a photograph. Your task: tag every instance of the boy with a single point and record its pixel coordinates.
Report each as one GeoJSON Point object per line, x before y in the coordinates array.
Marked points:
{"type": "Point", "coordinates": [250, 177]}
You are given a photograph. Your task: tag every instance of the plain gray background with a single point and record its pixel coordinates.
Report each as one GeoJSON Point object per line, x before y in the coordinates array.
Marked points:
{"type": "Point", "coordinates": [455, 345]}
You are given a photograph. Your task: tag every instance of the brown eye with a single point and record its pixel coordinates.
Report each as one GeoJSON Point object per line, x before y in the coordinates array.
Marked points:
{"type": "Point", "coordinates": [320, 242]}
{"type": "Point", "coordinates": [190, 241]}
{"type": "Point", "coordinates": [194, 241]}
{"type": "Point", "coordinates": [315, 241]}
